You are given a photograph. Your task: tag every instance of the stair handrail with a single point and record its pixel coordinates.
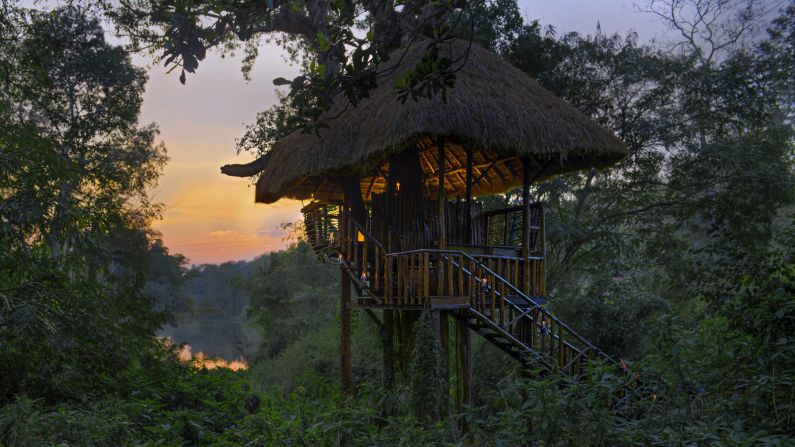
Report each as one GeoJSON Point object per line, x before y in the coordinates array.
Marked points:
{"type": "Point", "coordinates": [523, 313]}
{"type": "Point", "coordinates": [513, 288]}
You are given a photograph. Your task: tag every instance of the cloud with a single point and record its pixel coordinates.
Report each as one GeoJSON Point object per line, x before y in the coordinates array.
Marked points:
{"type": "Point", "coordinates": [224, 233]}
{"type": "Point", "coordinates": [275, 232]}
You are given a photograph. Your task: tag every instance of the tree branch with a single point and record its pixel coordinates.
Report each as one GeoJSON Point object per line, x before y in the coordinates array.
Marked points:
{"type": "Point", "coordinates": [248, 169]}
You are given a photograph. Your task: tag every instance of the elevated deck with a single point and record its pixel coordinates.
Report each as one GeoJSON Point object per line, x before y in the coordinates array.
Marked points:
{"type": "Point", "coordinates": [493, 287]}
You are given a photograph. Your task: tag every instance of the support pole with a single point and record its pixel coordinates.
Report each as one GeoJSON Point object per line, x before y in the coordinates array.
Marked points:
{"type": "Point", "coordinates": [444, 340]}
{"type": "Point", "coordinates": [441, 195]}
{"type": "Point", "coordinates": [346, 368]}
{"type": "Point", "coordinates": [526, 180]}
{"type": "Point", "coordinates": [388, 349]}
{"type": "Point", "coordinates": [464, 363]}
{"type": "Point", "coordinates": [469, 235]}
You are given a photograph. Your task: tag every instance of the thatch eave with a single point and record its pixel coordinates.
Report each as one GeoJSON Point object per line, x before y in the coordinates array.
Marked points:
{"type": "Point", "coordinates": [494, 110]}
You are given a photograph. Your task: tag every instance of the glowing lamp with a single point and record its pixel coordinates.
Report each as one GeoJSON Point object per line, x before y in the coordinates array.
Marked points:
{"type": "Point", "coordinates": [359, 236]}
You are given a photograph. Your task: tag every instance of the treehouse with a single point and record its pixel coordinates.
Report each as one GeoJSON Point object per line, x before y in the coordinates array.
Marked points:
{"type": "Point", "coordinates": [391, 191]}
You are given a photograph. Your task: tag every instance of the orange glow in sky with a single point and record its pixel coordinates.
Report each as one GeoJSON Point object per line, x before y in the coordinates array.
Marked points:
{"type": "Point", "coordinates": [210, 217]}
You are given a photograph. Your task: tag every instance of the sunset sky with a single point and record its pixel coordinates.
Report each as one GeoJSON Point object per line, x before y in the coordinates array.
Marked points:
{"type": "Point", "coordinates": [212, 218]}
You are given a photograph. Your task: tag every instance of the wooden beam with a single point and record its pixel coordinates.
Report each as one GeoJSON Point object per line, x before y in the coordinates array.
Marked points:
{"type": "Point", "coordinates": [248, 169]}
{"type": "Point", "coordinates": [483, 173]}
{"type": "Point", "coordinates": [435, 172]}
{"type": "Point", "coordinates": [468, 222]}
{"type": "Point", "coordinates": [442, 196]}
{"type": "Point", "coordinates": [375, 319]}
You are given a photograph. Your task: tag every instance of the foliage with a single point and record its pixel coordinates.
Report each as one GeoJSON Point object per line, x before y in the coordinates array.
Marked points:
{"type": "Point", "coordinates": [617, 310]}
{"type": "Point", "coordinates": [344, 45]}
{"type": "Point", "coordinates": [77, 165]}
{"type": "Point", "coordinates": [680, 259]}
{"type": "Point", "coordinates": [74, 209]}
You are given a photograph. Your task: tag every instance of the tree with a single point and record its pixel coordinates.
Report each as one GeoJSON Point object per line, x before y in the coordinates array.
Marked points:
{"type": "Point", "coordinates": [80, 164]}
{"type": "Point", "coordinates": [343, 45]}
{"type": "Point", "coordinates": [74, 209]}
{"type": "Point", "coordinates": [710, 29]}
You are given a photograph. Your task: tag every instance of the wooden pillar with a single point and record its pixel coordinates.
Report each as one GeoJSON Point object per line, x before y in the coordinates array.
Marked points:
{"type": "Point", "coordinates": [464, 367]}
{"type": "Point", "coordinates": [526, 180]}
{"type": "Point", "coordinates": [441, 195]}
{"type": "Point", "coordinates": [469, 235]}
{"type": "Point", "coordinates": [388, 349]}
{"type": "Point", "coordinates": [405, 168]}
{"type": "Point", "coordinates": [346, 368]}
{"type": "Point", "coordinates": [444, 339]}
{"type": "Point", "coordinates": [406, 336]}
{"type": "Point", "coordinates": [352, 191]}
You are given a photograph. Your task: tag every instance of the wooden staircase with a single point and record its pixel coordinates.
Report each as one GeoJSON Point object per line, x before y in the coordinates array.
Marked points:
{"type": "Point", "coordinates": [484, 291]}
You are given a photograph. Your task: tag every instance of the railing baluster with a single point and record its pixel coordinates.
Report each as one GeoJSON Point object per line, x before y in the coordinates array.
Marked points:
{"type": "Point", "coordinates": [387, 283]}
{"type": "Point", "coordinates": [399, 261]}
{"type": "Point", "coordinates": [542, 289]}
{"type": "Point", "coordinates": [492, 297]}
{"type": "Point", "coordinates": [468, 284]}
{"type": "Point", "coordinates": [450, 272]}
{"type": "Point", "coordinates": [503, 297]}
{"type": "Point", "coordinates": [516, 272]}
{"type": "Point", "coordinates": [419, 284]}
{"type": "Point", "coordinates": [377, 270]}
{"type": "Point", "coordinates": [365, 243]}
{"type": "Point", "coordinates": [410, 283]}
{"type": "Point", "coordinates": [426, 282]}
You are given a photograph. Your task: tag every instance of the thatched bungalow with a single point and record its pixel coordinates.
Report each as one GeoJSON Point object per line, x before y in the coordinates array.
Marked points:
{"type": "Point", "coordinates": [495, 111]}
{"type": "Point", "coordinates": [391, 189]}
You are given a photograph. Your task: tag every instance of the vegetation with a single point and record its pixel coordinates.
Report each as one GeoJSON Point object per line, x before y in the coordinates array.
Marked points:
{"type": "Point", "coordinates": [679, 261]}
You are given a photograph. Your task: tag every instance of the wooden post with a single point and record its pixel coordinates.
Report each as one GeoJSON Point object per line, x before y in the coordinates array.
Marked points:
{"type": "Point", "coordinates": [526, 224]}
{"type": "Point", "coordinates": [407, 319]}
{"type": "Point", "coordinates": [469, 235]}
{"type": "Point", "coordinates": [444, 340]}
{"type": "Point", "coordinates": [388, 349]}
{"type": "Point", "coordinates": [346, 368]}
{"type": "Point", "coordinates": [464, 370]}
{"type": "Point", "coordinates": [441, 198]}
{"type": "Point", "coordinates": [353, 198]}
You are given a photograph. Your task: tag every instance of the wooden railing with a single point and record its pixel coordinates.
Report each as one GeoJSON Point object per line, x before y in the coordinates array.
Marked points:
{"type": "Point", "coordinates": [418, 277]}
{"type": "Point", "coordinates": [503, 227]}
{"type": "Point", "coordinates": [321, 227]}
{"type": "Point", "coordinates": [363, 255]}
{"type": "Point", "coordinates": [495, 290]}
{"type": "Point", "coordinates": [521, 320]}
{"type": "Point", "coordinates": [412, 275]}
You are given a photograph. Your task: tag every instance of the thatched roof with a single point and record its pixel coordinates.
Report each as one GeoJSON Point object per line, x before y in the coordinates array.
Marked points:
{"type": "Point", "coordinates": [494, 109]}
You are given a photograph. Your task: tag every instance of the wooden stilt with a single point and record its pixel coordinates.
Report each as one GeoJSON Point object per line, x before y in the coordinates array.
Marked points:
{"type": "Point", "coordinates": [444, 339]}
{"type": "Point", "coordinates": [388, 349]}
{"type": "Point", "coordinates": [407, 319]}
{"type": "Point", "coordinates": [464, 368]}
{"type": "Point", "coordinates": [346, 368]}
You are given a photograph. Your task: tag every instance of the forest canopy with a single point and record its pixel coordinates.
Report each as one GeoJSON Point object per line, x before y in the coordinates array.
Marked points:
{"type": "Point", "coordinates": [678, 261]}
